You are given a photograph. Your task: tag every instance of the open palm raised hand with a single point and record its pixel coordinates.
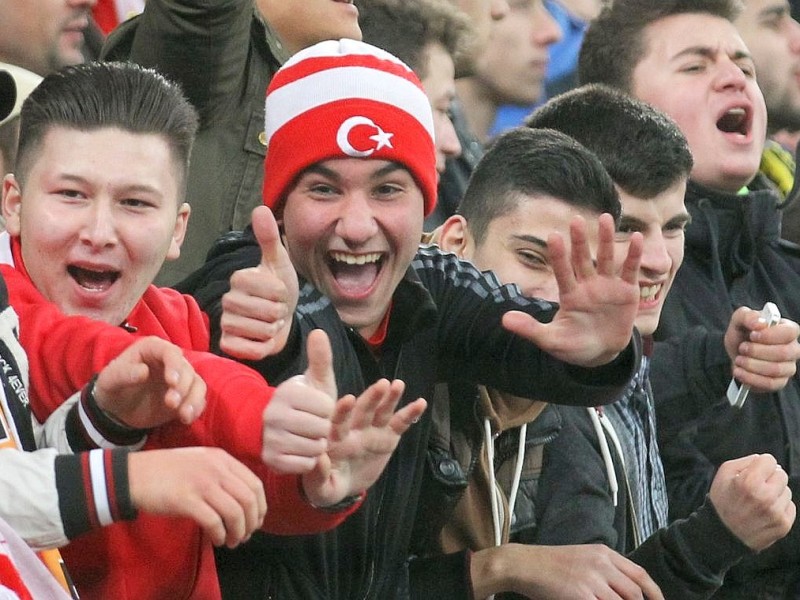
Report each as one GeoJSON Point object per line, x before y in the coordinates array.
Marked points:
{"type": "Point", "coordinates": [598, 302]}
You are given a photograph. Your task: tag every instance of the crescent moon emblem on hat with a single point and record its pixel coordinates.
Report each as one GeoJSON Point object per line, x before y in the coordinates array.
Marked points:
{"type": "Point", "coordinates": [381, 138]}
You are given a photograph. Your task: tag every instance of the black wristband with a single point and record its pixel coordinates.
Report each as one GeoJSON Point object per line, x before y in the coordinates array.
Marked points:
{"type": "Point", "coordinates": [113, 430]}
{"type": "Point", "coordinates": [343, 504]}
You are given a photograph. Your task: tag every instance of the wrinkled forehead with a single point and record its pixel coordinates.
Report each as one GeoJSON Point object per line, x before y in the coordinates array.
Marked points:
{"type": "Point", "coordinates": [670, 38]}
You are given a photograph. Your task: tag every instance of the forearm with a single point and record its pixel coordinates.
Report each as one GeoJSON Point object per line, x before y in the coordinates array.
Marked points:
{"type": "Point", "coordinates": [689, 559]}
{"type": "Point", "coordinates": [689, 375]}
{"type": "Point", "coordinates": [492, 570]}
{"type": "Point", "coordinates": [49, 498]}
{"type": "Point", "coordinates": [203, 45]}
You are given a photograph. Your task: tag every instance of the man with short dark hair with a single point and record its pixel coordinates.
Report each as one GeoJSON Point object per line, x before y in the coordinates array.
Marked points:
{"type": "Point", "coordinates": [688, 59]}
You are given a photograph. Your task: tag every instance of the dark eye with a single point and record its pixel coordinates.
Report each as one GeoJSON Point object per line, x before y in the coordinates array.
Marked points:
{"type": "Point", "coordinates": [694, 68]}
{"type": "Point", "coordinates": [136, 203]}
{"type": "Point", "coordinates": [70, 193]}
{"type": "Point", "coordinates": [532, 259]}
{"type": "Point", "coordinates": [322, 189]}
{"type": "Point", "coordinates": [385, 190]}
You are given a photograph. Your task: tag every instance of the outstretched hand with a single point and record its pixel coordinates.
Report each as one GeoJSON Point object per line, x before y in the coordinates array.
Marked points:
{"type": "Point", "coordinates": [149, 384]}
{"type": "Point", "coordinates": [257, 311]}
{"type": "Point", "coordinates": [765, 358]}
{"type": "Point", "coordinates": [597, 303]}
{"type": "Point", "coordinates": [366, 430]}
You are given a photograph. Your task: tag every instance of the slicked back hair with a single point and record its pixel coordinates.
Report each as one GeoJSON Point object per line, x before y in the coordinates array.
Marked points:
{"type": "Point", "coordinates": [99, 95]}
{"type": "Point", "coordinates": [642, 149]}
{"type": "Point", "coordinates": [525, 163]}
{"type": "Point", "coordinates": [614, 43]}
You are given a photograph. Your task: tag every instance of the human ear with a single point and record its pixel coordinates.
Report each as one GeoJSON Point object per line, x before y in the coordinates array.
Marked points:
{"type": "Point", "coordinates": [454, 236]}
{"type": "Point", "coordinates": [12, 204]}
{"type": "Point", "coordinates": [179, 232]}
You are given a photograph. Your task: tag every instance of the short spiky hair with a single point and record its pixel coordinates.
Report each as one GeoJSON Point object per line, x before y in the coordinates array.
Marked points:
{"type": "Point", "coordinates": [614, 43]}
{"type": "Point", "coordinates": [641, 148]}
{"type": "Point", "coordinates": [98, 95]}
{"type": "Point", "coordinates": [526, 162]}
{"type": "Point", "coordinates": [406, 27]}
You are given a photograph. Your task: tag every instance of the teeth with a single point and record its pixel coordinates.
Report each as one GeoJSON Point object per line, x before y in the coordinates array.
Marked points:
{"type": "Point", "coordinates": [738, 112]}
{"type": "Point", "coordinates": [356, 259]}
{"type": "Point", "coordinates": [649, 292]}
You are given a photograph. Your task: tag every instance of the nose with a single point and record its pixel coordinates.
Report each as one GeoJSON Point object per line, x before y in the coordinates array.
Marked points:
{"type": "Point", "coordinates": [794, 36]}
{"type": "Point", "coordinates": [86, 4]}
{"type": "Point", "coordinates": [729, 75]}
{"type": "Point", "coordinates": [99, 230]}
{"type": "Point", "coordinates": [498, 9]}
{"type": "Point", "coordinates": [448, 142]}
{"type": "Point", "coordinates": [546, 30]}
{"type": "Point", "coordinates": [356, 224]}
{"type": "Point", "coordinates": [656, 260]}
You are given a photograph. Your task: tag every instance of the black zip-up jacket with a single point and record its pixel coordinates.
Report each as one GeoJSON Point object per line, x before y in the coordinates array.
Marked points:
{"type": "Point", "coordinates": [566, 501]}
{"type": "Point", "coordinates": [445, 323]}
{"type": "Point", "coordinates": [734, 257]}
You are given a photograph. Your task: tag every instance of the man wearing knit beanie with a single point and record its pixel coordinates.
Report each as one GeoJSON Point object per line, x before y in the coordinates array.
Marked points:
{"type": "Point", "coordinates": [349, 175]}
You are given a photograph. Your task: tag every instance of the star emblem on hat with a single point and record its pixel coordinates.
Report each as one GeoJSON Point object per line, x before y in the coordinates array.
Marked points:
{"type": "Point", "coordinates": [382, 139]}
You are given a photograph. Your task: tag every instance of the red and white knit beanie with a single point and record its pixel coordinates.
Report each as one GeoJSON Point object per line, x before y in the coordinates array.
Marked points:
{"type": "Point", "coordinates": [341, 99]}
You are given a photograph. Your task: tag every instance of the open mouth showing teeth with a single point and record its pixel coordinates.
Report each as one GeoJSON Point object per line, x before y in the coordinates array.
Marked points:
{"type": "Point", "coordinates": [734, 121]}
{"type": "Point", "coordinates": [648, 293]}
{"type": "Point", "coordinates": [95, 281]}
{"type": "Point", "coordinates": [355, 272]}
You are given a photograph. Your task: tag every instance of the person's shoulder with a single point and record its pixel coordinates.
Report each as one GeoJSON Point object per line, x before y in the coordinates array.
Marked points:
{"type": "Point", "coordinates": [172, 302]}
{"type": "Point", "coordinates": [230, 252]}
{"type": "Point", "coordinates": [119, 42]}
{"type": "Point", "coordinates": [174, 311]}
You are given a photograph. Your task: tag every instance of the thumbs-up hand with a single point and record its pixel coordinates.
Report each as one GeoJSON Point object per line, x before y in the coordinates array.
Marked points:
{"type": "Point", "coordinates": [257, 312]}
{"type": "Point", "coordinates": [297, 420]}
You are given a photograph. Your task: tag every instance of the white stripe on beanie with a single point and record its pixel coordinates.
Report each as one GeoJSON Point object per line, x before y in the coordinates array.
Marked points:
{"type": "Point", "coordinates": [341, 83]}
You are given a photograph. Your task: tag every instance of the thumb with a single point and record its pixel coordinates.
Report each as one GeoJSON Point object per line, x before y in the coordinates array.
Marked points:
{"type": "Point", "coordinates": [319, 373]}
{"type": "Point", "coordinates": [265, 228]}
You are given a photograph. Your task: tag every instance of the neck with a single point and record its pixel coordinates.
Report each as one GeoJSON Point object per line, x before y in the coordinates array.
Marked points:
{"type": "Point", "coordinates": [479, 108]}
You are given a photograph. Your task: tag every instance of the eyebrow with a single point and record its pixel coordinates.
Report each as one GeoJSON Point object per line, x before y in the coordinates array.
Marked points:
{"type": "Point", "coordinates": [531, 239]}
{"type": "Point", "coordinates": [776, 10]}
{"type": "Point", "coordinates": [128, 188]}
{"type": "Point", "coordinates": [320, 169]}
{"type": "Point", "coordinates": [634, 222]}
{"type": "Point", "coordinates": [708, 52]}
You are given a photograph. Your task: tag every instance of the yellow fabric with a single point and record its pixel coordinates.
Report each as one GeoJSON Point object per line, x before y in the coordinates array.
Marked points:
{"type": "Point", "coordinates": [778, 165]}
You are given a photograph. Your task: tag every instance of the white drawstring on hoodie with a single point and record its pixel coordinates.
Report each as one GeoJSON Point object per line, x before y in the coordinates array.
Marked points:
{"type": "Point", "coordinates": [496, 494]}
{"type": "Point", "coordinates": [600, 423]}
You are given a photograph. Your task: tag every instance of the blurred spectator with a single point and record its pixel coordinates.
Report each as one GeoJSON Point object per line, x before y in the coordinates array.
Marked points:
{"type": "Point", "coordinates": [44, 35]}
{"type": "Point", "coordinates": [23, 82]}
{"type": "Point", "coordinates": [572, 17]}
